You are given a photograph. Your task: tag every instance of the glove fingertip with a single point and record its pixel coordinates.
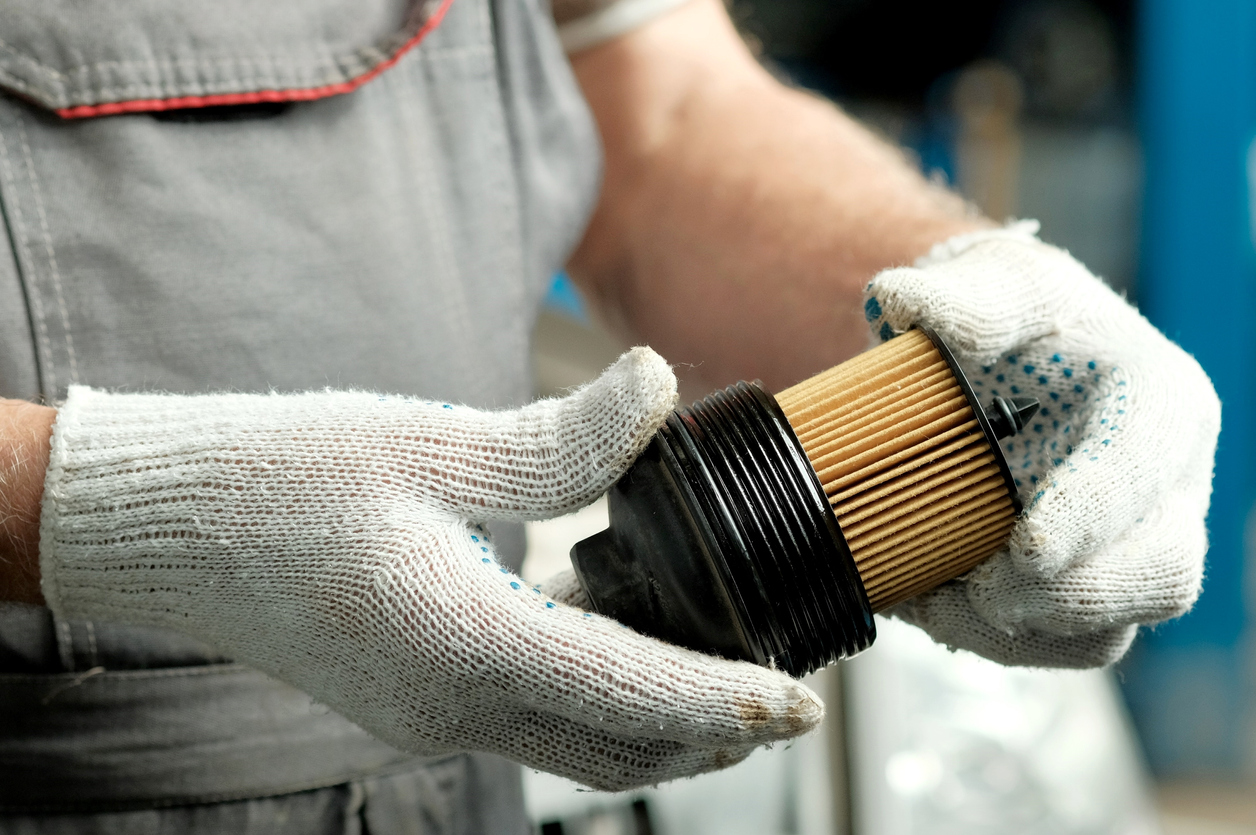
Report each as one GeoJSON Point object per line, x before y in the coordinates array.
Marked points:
{"type": "Point", "coordinates": [593, 435]}
{"type": "Point", "coordinates": [901, 298]}
{"type": "Point", "coordinates": [641, 385]}
{"type": "Point", "coordinates": [790, 712]}
{"type": "Point", "coordinates": [1033, 549]}
{"type": "Point", "coordinates": [890, 298]}
{"type": "Point", "coordinates": [655, 383]}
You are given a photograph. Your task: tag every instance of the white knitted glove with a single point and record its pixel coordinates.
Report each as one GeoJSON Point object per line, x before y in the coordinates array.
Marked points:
{"type": "Point", "coordinates": [328, 539]}
{"type": "Point", "coordinates": [1115, 470]}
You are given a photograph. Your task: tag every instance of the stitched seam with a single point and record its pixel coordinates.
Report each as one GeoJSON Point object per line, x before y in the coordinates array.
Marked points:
{"type": "Point", "coordinates": [309, 66]}
{"type": "Point", "coordinates": [48, 248]}
{"type": "Point", "coordinates": [61, 98]}
{"type": "Point", "coordinates": [277, 63]}
{"type": "Point", "coordinates": [93, 660]}
{"type": "Point", "coordinates": [162, 87]}
{"type": "Point", "coordinates": [421, 133]}
{"type": "Point", "coordinates": [24, 255]}
{"type": "Point", "coordinates": [321, 72]}
{"type": "Point", "coordinates": [372, 53]}
{"type": "Point", "coordinates": [293, 61]}
{"type": "Point", "coordinates": [507, 189]}
{"type": "Point", "coordinates": [369, 56]}
{"type": "Point", "coordinates": [321, 75]}
{"type": "Point", "coordinates": [16, 83]}
{"type": "Point", "coordinates": [35, 63]}
{"type": "Point", "coordinates": [65, 644]}
{"type": "Point", "coordinates": [114, 676]}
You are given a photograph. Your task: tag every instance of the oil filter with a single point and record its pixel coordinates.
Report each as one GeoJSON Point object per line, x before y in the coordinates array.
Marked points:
{"type": "Point", "coordinates": [770, 529]}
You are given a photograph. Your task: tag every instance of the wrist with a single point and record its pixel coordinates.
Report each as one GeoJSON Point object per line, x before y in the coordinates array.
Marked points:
{"type": "Point", "coordinates": [25, 442]}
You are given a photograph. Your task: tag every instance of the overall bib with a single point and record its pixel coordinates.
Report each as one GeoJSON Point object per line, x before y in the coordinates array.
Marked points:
{"type": "Point", "coordinates": [388, 220]}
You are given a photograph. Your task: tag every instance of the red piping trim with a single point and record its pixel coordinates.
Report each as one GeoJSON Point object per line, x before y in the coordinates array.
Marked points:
{"type": "Point", "coordinates": [113, 108]}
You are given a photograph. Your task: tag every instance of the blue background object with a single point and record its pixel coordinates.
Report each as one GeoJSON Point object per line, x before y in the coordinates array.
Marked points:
{"type": "Point", "coordinates": [1188, 682]}
{"type": "Point", "coordinates": [564, 298]}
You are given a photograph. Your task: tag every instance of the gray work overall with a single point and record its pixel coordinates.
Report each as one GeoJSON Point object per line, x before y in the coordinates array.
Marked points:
{"type": "Point", "coordinates": [398, 237]}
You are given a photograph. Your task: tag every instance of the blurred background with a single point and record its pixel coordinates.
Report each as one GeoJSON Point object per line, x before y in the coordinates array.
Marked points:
{"type": "Point", "coordinates": [1126, 127]}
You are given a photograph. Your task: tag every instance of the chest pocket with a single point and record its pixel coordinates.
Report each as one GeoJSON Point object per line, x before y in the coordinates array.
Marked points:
{"type": "Point", "coordinates": [93, 59]}
{"type": "Point", "coordinates": [288, 195]}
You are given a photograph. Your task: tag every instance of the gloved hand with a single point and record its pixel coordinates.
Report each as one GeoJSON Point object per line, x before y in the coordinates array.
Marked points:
{"type": "Point", "coordinates": [329, 539]}
{"type": "Point", "coordinates": [1115, 470]}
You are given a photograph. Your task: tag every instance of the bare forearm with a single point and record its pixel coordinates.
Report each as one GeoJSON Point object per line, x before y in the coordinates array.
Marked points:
{"type": "Point", "coordinates": [740, 219]}
{"type": "Point", "coordinates": [25, 437]}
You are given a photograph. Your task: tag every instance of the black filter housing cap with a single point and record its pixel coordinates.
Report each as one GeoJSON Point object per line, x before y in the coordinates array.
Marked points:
{"type": "Point", "coordinates": [721, 540]}
{"type": "Point", "coordinates": [653, 569]}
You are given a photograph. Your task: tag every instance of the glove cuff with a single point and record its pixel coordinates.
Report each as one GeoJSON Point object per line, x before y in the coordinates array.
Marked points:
{"type": "Point", "coordinates": [139, 485]}
{"type": "Point", "coordinates": [108, 490]}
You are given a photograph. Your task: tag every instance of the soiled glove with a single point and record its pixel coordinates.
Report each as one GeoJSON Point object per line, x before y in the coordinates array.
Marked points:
{"type": "Point", "coordinates": [1115, 470]}
{"type": "Point", "coordinates": [330, 540]}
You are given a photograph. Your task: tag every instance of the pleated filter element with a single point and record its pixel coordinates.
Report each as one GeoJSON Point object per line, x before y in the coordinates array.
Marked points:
{"type": "Point", "coordinates": [919, 493]}
{"type": "Point", "coordinates": [770, 529]}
